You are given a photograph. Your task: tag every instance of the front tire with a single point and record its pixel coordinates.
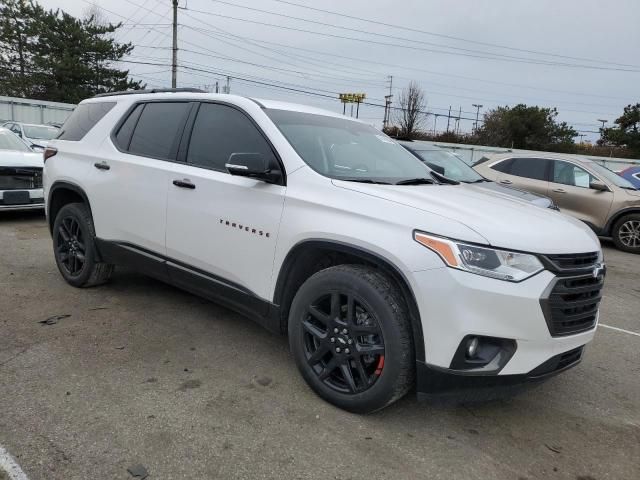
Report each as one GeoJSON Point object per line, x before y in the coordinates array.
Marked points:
{"type": "Point", "coordinates": [75, 250]}
{"type": "Point", "coordinates": [626, 233]}
{"type": "Point", "coordinates": [350, 335]}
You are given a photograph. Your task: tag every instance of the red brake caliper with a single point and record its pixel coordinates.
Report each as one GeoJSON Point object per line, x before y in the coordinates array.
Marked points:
{"type": "Point", "coordinates": [380, 366]}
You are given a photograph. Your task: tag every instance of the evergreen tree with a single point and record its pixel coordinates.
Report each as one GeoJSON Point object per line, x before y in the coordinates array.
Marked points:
{"type": "Point", "coordinates": [51, 55]}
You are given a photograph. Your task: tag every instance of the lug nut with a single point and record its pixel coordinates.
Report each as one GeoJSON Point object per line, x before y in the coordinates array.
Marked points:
{"type": "Point", "coordinates": [349, 341]}
{"type": "Point", "coordinates": [346, 350]}
{"type": "Point", "coordinates": [335, 330]}
{"type": "Point", "coordinates": [338, 350]}
{"type": "Point", "coordinates": [344, 331]}
{"type": "Point", "coordinates": [333, 340]}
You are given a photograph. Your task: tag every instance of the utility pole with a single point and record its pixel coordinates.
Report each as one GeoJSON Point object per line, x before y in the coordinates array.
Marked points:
{"type": "Point", "coordinates": [217, 88]}
{"type": "Point", "coordinates": [448, 118]}
{"type": "Point", "coordinates": [435, 122]}
{"type": "Point", "coordinates": [174, 62]}
{"type": "Point", "coordinates": [387, 104]}
{"type": "Point", "coordinates": [478, 107]}
{"type": "Point", "coordinates": [602, 129]}
{"type": "Point", "coordinates": [458, 121]}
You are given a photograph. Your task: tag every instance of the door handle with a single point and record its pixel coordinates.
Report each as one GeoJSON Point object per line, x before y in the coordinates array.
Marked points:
{"type": "Point", "coordinates": [505, 182]}
{"type": "Point", "coordinates": [102, 166]}
{"type": "Point", "coordinates": [559, 190]}
{"type": "Point", "coordinates": [184, 184]}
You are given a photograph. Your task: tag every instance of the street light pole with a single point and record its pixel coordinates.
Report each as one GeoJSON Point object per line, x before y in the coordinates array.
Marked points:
{"type": "Point", "coordinates": [478, 107]}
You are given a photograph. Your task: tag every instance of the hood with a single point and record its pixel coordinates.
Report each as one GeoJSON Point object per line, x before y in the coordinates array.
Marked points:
{"type": "Point", "coordinates": [503, 222]}
{"type": "Point", "coordinates": [535, 199]}
{"type": "Point", "coordinates": [13, 158]}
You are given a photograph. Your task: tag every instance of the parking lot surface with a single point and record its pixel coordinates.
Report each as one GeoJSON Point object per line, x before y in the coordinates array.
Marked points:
{"type": "Point", "coordinates": [138, 372]}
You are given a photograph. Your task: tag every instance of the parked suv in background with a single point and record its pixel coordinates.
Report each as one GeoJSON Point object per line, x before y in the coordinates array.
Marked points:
{"type": "Point", "coordinates": [453, 167]}
{"type": "Point", "coordinates": [605, 201]}
{"type": "Point", "coordinates": [36, 136]}
{"type": "Point", "coordinates": [324, 228]}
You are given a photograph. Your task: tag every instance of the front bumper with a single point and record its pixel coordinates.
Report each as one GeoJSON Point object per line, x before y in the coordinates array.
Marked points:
{"type": "Point", "coordinates": [36, 201]}
{"type": "Point", "coordinates": [445, 384]}
{"type": "Point", "coordinates": [454, 304]}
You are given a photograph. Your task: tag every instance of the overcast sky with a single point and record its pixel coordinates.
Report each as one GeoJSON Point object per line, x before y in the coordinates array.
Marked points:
{"type": "Point", "coordinates": [581, 33]}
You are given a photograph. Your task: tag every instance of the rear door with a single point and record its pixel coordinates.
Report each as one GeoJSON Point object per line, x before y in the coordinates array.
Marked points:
{"type": "Point", "coordinates": [128, 190]}
{"type": "Point", "coordinates": [222, 229]}
{"type": "Point", "coordinates": [569, 188]}
{"type": "Point", "coordinates": [529, 174]}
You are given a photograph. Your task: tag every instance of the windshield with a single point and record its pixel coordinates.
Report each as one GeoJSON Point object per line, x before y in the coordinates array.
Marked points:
{"type": "Point", "coordinates": [612, 176]}
{"type": "Point", "coordinates": [449, 165]}
{"type": "Point", "coordinates": [40, 132]}
{"type": "Point", "coordinates": [347, 150]}
{"type": "Point", "coordinates": [9, 141]}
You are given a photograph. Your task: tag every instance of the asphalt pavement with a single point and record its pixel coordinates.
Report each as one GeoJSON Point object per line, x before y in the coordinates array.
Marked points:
{"type": "Point", "coordinates": [138, 373]}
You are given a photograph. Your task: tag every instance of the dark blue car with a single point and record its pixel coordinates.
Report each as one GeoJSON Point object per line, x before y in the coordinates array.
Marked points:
{"type": "Point", "coordinates": [633, 175]}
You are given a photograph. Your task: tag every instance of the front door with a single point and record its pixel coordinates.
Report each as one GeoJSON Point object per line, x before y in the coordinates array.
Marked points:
{"type": "Point", "coordinates": [569, 188]}
{"type": "Point", "coordinates": [222, 229]}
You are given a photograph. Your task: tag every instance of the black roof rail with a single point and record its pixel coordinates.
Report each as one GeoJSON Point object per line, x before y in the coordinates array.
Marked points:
{"type": "Point", "coordinates": [153, 90]}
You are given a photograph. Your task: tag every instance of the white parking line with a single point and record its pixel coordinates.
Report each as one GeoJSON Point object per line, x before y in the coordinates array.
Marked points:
{"type": "Point", "coordinates": [9, 465]}
{"type": "Point", "coordinates": [619, 329]}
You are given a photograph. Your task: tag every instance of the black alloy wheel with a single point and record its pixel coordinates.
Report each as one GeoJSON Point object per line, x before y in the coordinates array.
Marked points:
{"type": "Point", "coordinates": [75, 249]}
{"type": "Point", "coordinates": [71, 249]}
{"type": "Point", "coordinates": [343, 343]}
{"type": "Point", "coordinates": [351, 337]}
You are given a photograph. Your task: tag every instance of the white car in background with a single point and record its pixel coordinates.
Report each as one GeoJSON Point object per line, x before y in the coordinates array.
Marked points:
{"type": "Point", "coordinates": [36, 136]}
{"type": "Point", "coordinates": [20, 174]}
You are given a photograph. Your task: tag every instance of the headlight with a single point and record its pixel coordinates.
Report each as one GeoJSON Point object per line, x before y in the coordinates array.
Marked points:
{"type": "Point", "coordinates": [490, 262]}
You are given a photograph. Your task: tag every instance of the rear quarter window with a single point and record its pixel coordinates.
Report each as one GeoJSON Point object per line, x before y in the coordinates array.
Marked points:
{"type": "Point", "coordinates": [83, 119]}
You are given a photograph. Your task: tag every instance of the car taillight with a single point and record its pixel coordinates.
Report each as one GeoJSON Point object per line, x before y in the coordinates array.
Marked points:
{"type": "Point", "coordinates": [49, 152]}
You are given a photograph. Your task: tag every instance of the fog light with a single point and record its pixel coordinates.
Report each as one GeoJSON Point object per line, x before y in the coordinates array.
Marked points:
{"type": "Point", "coordinates": [472, 347]}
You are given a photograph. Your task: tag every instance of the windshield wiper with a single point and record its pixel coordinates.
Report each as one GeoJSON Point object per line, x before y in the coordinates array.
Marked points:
{"type": "Point", "coordinates": [416, 181]}
{"type": "Point", "coordinates": [364, 180]}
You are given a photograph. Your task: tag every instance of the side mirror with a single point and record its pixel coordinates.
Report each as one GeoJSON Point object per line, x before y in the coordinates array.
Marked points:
{"type": "Point", "coordinates": [598, 185]}
{"type": "Point", "coordinates": [253, 165]}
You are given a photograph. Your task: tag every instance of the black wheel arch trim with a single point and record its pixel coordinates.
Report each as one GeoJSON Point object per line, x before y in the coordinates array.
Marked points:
{"type": "Point", "coordinates": [64, 185]}
{"type": "Point", "coordinates": [618, 215]}
{"type": "Point", "coordinates": [367, 256]}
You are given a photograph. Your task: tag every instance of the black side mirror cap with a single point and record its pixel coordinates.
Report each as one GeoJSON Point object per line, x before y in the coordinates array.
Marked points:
{"type": "Point", "coordinates": [253, 165]}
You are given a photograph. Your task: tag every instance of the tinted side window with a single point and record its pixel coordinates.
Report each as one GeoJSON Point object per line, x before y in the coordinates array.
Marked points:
{"type": "Point", "coordinates": [83, 119]}
{"type": "Point", "coordinates": [123, 137]}
{"type": "Point", "coordinates": [570, 174]}
{"type": "Point", "coordinates": [218, 132]}
{"type": "Point", "coordinates": [504, 166]}
{"type": "Point", "coordinates": [158, 130]}
{"type": "Point", "coordinates": [534, 168]}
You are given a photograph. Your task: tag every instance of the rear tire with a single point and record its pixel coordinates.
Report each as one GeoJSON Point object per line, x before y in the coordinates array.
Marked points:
{"type": "Point", "coordinates": [350, 335]}
{"type": "Point", "coordinates": [75, 250]}
{"type": "Point", "coordinates": [626, 233]}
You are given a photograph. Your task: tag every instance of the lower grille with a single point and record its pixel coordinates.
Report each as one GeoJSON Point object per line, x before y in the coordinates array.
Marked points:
{"type": "Point", "coordinates": [558, 363]}
{"type": "Point", "coordinates": [20, 178]}
{"type": "Point", "coordinates": [572, 304]}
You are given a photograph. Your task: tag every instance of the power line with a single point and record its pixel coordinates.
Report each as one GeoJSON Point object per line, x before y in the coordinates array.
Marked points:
{"type": "Point", "coordinates": [369, 41]}
{"type": "Point", "coordinates": [366, 32]}
{"type": "Point", "coordinates": [451, 37]}
{"type": "Point", "coordinates": [417, 69]}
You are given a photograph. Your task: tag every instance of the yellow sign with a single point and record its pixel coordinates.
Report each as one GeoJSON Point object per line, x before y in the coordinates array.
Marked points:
{"type": "Point", "coordinates": [352, 97]}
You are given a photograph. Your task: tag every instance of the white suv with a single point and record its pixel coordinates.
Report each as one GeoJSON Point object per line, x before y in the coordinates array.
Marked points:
{"type": "Point", "coordinates": [382, 274]}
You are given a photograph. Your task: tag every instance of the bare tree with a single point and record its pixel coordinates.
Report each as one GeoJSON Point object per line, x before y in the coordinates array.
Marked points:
{"type": "Point", "coordinates": [411, 113]}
